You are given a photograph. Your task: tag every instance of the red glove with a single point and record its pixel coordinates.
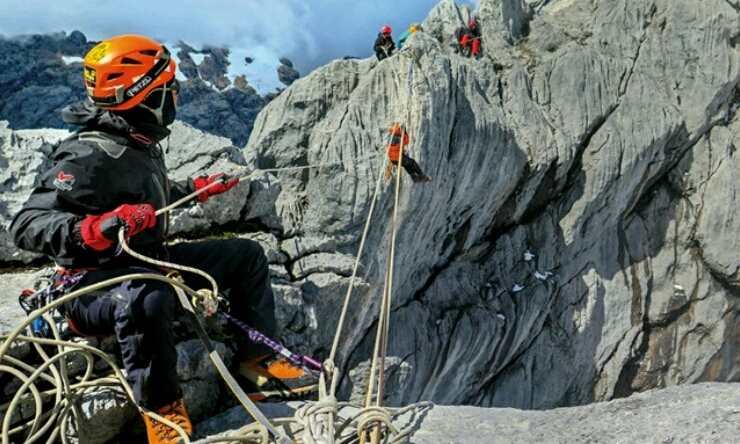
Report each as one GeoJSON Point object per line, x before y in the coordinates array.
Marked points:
{"type": "Point", "coordinates": [99, 232]}
{"type": "Point", "coordinates": [225, 183]}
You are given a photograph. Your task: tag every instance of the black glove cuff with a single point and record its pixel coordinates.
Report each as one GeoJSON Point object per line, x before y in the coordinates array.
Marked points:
{"type": "Point", "coordinates": [77, 233]}
{"type": "Point", "coordinates": [109, 227]}
{"type": "Point", "coordinates": [191, 186]}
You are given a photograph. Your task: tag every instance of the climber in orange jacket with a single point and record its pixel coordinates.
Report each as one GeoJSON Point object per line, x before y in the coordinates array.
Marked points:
{"type": "Point", "coordinates": [396, 148]}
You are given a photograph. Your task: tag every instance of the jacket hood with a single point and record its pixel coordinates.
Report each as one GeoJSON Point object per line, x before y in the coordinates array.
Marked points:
{"type": "Point", "coordinates": [94, 117]}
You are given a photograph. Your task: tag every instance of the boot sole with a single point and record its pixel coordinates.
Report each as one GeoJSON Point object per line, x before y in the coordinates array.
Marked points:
{"type": "Point", "coordinates": [283, 395]}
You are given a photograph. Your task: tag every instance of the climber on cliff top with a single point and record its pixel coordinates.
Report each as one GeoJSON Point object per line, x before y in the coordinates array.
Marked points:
{"type": "Point", "coordinates": [110, 175]}
{"type": "Point", "coordinates": [397, 146]}
{"type": "Point", "coordinates": [402, 38]}
{"type": "Point", "coordinates": [384, 44]}
{"type": "Point", "coordinates": [469, 39]}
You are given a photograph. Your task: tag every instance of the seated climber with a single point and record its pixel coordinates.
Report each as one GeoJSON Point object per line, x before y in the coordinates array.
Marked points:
{"type": "Point", "coordinates": [111, 175]}
{"type": "Point", "coordinates": [397, 146]}
{"type": "Point", "coordinates": [384, 45]}
{"type": "Point", "coordinates": [469, 39]}
{"type": "Point", "coordinates": [402, 38]}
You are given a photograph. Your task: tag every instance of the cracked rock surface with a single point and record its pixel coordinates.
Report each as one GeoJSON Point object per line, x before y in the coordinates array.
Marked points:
{"type": "Point", "coordinates": [577, 244]}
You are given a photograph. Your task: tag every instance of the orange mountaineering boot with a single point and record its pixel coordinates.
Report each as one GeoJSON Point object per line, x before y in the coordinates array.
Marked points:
{"type": "Point", "coordinates": [160, 433]}
{"type": "Point", "coordinates": [275, 378]}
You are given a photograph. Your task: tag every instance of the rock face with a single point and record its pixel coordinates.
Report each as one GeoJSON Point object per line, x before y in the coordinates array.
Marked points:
{"type": "Point", "coordinates": [578, 242]}
{"type": "Point", "coordinates": [286, 72]}
{"type": "Point", "coordinates": [24, 157]}
{"type": "Point", "coordinates": [35, 80]}
{"type": "Point", "coordinates": [38, 82]}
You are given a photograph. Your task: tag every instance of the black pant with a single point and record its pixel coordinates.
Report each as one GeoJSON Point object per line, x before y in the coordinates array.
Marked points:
{"type": "Point", "coordinates": [380, 55]}
{"type": "Point", "coordinates": [140, 312]}
{"type": "Point", "coordinates": [411, 167]}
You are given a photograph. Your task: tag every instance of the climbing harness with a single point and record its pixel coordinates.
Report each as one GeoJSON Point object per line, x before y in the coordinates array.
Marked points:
{"type": "Point", "coordinates": [30, 300]}
{"type": "Point", "coordinates": [65, 392]}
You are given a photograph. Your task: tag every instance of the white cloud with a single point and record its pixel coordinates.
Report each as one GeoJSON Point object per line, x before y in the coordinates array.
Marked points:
{"type": "Point", "coordinates": [310, 33]}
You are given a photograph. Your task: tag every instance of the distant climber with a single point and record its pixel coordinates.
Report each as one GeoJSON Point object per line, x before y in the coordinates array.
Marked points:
{"type": "Point", "coordinates": [384, 44]}
{"type": "Point", "coordinates": [402, 38]}
{"type": "Point", "coordinates": [468, 37]}
{"type": "Point", "coordinates": [395, 148]}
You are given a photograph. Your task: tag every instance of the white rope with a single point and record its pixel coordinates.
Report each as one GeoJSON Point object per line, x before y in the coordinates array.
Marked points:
{"type": "Point", "coordinates": [327, 418]}
{"type": "Point", "coordinates": [350, 421]}
{"type": "Point", "coordinates": [53, 370]}
{"type": "Point", "coordinates": [317, 423]}
{"type": "Point", "coordinates": [381, 338]}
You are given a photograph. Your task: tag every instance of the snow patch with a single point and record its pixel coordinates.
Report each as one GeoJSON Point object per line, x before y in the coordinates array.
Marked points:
{"type": "Point", "coordinates": [261, 74]}
{"type": "Point", "coordinates": [68, 60]}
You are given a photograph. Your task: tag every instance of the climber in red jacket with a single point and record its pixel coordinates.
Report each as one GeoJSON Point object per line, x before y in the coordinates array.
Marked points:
{"type": "Point", "coordinates": [469, 39]}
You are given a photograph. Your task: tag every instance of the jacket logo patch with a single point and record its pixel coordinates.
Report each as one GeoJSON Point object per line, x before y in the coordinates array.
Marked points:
{"type": "Point", "coordinates": [64, 181]}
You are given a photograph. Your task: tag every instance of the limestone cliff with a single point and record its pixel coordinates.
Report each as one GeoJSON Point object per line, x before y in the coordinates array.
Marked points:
{"type": "Point", "coordinates": [578, 241]}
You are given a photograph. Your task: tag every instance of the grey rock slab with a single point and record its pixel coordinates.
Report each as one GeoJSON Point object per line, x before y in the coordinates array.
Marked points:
{"type": "Point", "coordinates": [103, 414]}
{"type": "Point", "coordinates": [581, 135]}
{"type": "Point", "coordinates": [703, 413]}
{"type": "Point", "coordinates": [270, 245]}
{"type": "Point", "coordinates": [336, 263]}
{"type": "Point", "coordinates": [299, 246]}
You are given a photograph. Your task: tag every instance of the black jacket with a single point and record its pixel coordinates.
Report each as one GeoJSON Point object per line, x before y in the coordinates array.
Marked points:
{"type": "Point", "coordinates": [94, 171]}
{"type": "Point", "coordinates": [382, 41]}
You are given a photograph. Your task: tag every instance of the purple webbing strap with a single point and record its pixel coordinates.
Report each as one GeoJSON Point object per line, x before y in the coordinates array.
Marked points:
{"type": "Point", "coordinates": [259, 338]}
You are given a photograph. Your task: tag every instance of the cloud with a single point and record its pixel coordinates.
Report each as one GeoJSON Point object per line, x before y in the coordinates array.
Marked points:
{"type": "Point", "coordinates": [310, 33]}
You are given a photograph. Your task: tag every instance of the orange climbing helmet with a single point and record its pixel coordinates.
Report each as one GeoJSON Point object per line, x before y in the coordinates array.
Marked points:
{"type": "Point", "coordinates": [473, 24]}
{"type": "Point", "coordinates": [386, 30]}
{"type": "Point", "coordinates": [395, 130]}
{"type": "Point", "coordinates": [121, 71]}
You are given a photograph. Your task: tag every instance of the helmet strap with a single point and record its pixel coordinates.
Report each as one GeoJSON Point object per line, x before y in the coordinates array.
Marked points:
{"type": "Point", "coordinates": [157, 112]}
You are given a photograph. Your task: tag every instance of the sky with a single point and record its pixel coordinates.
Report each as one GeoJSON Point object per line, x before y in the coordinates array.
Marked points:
{"type": "Point", "coordinates": [308, 32]}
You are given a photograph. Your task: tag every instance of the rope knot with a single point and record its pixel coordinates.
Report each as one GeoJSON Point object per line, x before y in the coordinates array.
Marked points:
{"type": "Point", "coordinates": [370, 416]}
{"type": "Point", "coordinates": [317, 420]}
